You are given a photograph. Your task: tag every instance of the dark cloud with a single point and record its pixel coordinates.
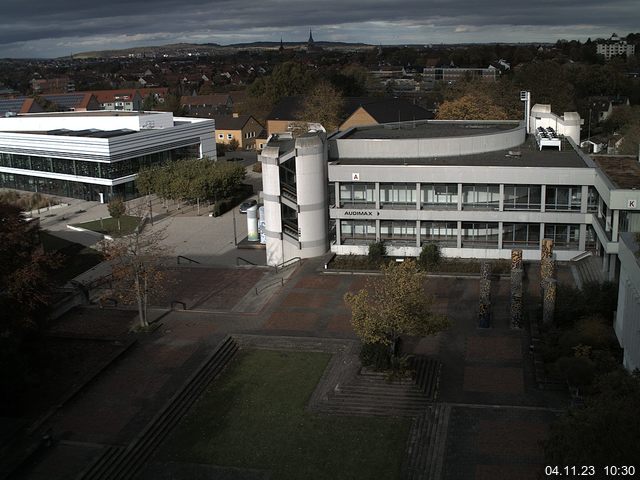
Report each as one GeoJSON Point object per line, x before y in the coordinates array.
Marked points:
{"type": "Point", "coordinates": [61, 24]}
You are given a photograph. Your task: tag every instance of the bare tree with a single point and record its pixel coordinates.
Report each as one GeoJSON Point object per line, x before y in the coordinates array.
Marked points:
{"type": "Point", "coordinates": [136, 267]}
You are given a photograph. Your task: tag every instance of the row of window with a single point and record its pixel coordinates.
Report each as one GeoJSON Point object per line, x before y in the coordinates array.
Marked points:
{"type": "Point", "coordinates": [475, 196]}
{"type": "Point", "coordinates": [473, 234]}
{"type": "Point", "coordinates": [66, 188]}
{"type": "Point", "coordinates": [84, 168]}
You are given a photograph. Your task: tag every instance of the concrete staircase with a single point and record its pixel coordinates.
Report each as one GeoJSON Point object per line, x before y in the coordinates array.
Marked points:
{"type": "Point", "coordinates": [119, 463]}
{"type": "Point", "coordinates": [588, 269]}
{"type": "Point", "coordinates": [373, 393]}
{"type": "Point", "coordinates": [426, 444]}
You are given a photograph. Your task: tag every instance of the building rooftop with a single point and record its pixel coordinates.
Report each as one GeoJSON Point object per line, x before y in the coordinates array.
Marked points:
{"type": "Point", "coordinates": [525, 155]}
{"type": "Point", "coordinates": [428, 129]}
{"type": "Point", "coordinates": [624, 172]}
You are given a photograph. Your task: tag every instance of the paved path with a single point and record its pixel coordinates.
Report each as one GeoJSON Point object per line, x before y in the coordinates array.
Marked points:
{"type": "Point", "coordinates": [496, 417]}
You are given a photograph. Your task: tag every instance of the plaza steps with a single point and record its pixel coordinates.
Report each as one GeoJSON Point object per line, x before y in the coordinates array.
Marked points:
{"type": "Point", "coordinates": [372, 394]}
{"type": "Point", "coordinates": [119, 463]}
{"type": "Point", "coordinates": [587, 270]}
{"type": "Point", "coordinates": [426, 444]}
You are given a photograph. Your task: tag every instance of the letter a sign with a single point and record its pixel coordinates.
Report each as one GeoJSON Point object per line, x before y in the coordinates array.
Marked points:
{"type": "Point", "coordinates": [355, 177]}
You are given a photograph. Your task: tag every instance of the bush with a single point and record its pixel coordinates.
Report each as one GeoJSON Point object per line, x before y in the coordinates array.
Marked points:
{"type": "Point", "coordinates": [429, 256]}
{"type": "Point", "coordinates": [375, 355]}
{"type": "Point", "coordinates": [578, 371]}
{"type": "Point", "coordinates": [257, 167]}
{"type": "Point", "coordinates": [377, 252]}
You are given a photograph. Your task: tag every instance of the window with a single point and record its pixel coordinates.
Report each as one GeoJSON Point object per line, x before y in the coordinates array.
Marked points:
{"type": "Point", "coordinates": [358, 195]}
{"type": "Point", "coordinates": [565, 237]}
{"type": "Point", "coordinates": [522, 197]}
{"type": "Point", "coordinates": [563, 198]}
{"type": "Point", "coordinates": [592, 200]}
{"type": "Point", "coordinates": [221, 136]}
{"type": "Point", "coordinates": [229, 136]}
{"type": "Point", "coordinates": [442, 233]}
{"type": "Point", "coordinates": [479, 234]}
{"type": "Point", "coordinates": [358, 232]}
{"type": "Point", "coordinates": [398, 232]}
{"type": "Point", "coordinates": [441, 195]}
{"type": "Point", "coordinates": [397, 195]}
{"type": "Point", "coordinates": [481, 197]}
{"type": "Point", "coordinates": [521, 235]}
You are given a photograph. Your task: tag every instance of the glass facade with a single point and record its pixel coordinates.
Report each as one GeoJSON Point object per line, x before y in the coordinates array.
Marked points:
{"type": "Point", "coordinates": [442, 233]}
{"type": "Point", "coordinates": [398, 232]}
{"type": "Point", "coordinates": [357, 195]}
{"type": "Point", "coordinates": [521, 235]}
{"type": "Point", "coordinates": [357, 232]}
{"type": "Point", "coordinates": [522, 197]}
{"type": "Point", "coordinates": [397, 195]}
{"type": "Point", "coordinates": [480, 234]}
{"type": "Point", "coordinates": [439, 196]}
{"type": "Point", "coordinates": [563, 198]}
{"type": "Point", "coordinates": [565, 237]}
{"type": "Point", "coordinates": [481, 197]}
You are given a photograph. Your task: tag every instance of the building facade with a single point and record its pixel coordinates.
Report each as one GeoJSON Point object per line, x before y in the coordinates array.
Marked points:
{"type": "Point", "coordinates": [95, 155]}
{"type": "Point", "coordinates": [613, 47]}
{"type": "Point", "coordinates": [477, 189]}
{"type": "Point", "coordinates": [627, 322]}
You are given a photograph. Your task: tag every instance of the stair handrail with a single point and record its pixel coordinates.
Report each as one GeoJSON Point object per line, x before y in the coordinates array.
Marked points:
{"type": "Point", "coordinates": [287, 263]}
{"type": "Point", "coordinates": [244, 260]}
{"type": "Point", "coordinates": [191, 260]}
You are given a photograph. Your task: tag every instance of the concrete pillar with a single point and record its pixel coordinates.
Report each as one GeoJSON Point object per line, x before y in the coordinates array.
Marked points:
{"type": "Point", "coordinates": [517, 275]}
{"type": "Point", "coordinates": [484, 311]}
{"type": "Point", "coordinates": [338, 232]}
{"type": "Point", "coordinates": [585, 199]}
{"type": "Point", "coordinates": [612, 268]}
{"type": "Point", "coordinates": [459, 198]}
{"type": "Point", "coordinates": [543, 199]}
{"type": "Point", "coordinates": [499, 235]}
{"type": "Point", "coordinates": [549, 300]}
{"type": "Point", "coordinates": [377, 195]}
{"type": "Point", "coordinates": [615, 224]}
{"type": "Point", "coordinates": [501, 201]}
{"type": "Point", "coordinates": [418, 203]}
{"type": "Point", "coordinates": [417, 233]}
{"type": "Point", "coordinates": [337, 194]}
{"type": "Point", "coordinates": [583, 237]}
{"type": "Point", "coordinates": [377, 230]}
{"type": "Point", "coordinates": [459, 240]}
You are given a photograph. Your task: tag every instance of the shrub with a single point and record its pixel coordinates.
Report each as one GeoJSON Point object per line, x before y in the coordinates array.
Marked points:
{"type": "Point", "coordinates": [257, 167]}
{"type": "Point", "coordinates": [377, 252]}
{"type": "Point", "coordinates": [429, 256]}
{"type": "Point", "coordinates": [375, 355]}
{"type": "Point", "coordinates": [578, 371]}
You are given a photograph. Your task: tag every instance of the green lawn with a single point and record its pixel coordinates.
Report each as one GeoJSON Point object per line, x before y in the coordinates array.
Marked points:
{"type": "Point", "coordinates": [254, 417]}
{"type": "Point", "coordinates": [109, 226]}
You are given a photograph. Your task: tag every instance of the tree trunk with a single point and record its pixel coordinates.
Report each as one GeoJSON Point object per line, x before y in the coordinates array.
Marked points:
{"type": "Point", "coordinates": [141, 310]}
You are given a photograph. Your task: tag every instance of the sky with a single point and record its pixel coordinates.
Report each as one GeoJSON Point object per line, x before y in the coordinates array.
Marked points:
{"type": "Point", "coordinates": [52, 28]}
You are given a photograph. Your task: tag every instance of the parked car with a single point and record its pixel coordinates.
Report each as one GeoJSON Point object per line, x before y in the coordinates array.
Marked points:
{"type": "Point", "coordinates": [247, 205]}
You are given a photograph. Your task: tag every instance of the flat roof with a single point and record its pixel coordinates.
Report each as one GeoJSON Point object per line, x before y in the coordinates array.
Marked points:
{"type": "Point", "coordinates": [623, 171]}
{"type": "Point", "coordinates": [90, 113]}
{"type": "Point", "coordinates": [428, 129]}
{"type": "Point", "coordinates": [525, 155]}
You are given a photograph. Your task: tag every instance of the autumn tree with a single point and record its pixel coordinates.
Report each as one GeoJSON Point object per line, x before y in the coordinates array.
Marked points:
{"type": "Point", "coordinates": [117, 209]}
{"type": "Point", "coordinates": [324, 105]}
{"type": "Point", "coordinates": [394, 305]}
{"type": "Point", "coordinates": [471, 107]}
{"type": "Point", "coordinates": [136, 268]}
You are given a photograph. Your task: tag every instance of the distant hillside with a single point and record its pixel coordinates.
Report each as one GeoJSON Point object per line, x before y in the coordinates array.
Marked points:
{"type": "Point", "coordinates": [180, 49]}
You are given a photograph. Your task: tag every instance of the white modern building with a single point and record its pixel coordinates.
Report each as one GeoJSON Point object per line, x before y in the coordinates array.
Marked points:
{"type": "Point", "coordinates": [614, 46]}
{"type": "Point", "coordinates": [627, 323]}
{"type": "Point", "coordinates": [94, 155]}
{"type": "Point", "coordinates": [476, 188]}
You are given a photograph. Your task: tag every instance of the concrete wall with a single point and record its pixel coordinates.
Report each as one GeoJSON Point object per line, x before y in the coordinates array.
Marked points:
{"type": "Point", "coordinates": [111, 120]}
{"type": "Point", "coordinates": [567, 125]}
{"type": "Point", "coordinates": [627, 321]}
{"type": "Point", "coordinates": [427, 147]}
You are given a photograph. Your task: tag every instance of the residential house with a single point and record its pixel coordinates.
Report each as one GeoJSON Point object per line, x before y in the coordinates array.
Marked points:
{"type": "Point", "coordinates": [242, 128]}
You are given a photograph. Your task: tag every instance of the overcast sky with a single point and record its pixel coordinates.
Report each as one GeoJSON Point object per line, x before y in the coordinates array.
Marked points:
{"type": "Point", "coordinates": [50, 28]}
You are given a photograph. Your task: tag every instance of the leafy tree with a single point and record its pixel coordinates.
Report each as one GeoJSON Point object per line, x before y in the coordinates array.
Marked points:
{"type": "Point", "coordinates": [377, 252]}
{"type": "Point", "coordinates": [605, 432]}
{"type": "Point", "coordinates": [394, 305]}
{"type": "Point", "coordinates": [471, 107]}
{"type": "Point", "coordinates": [135, 267]}
{"type": "Point", "coordinates": [549, 83]}
{"type": "Point", "coordinates": [117, 209]}
{"type": "Point", "coordinates": [324, 105]}
{"type": "Point", "coordinates": [287, 79]}
{"type": "Point", "coordinates": [233, 145]}
{"type": "Point", "coordinates": [25, 295]}
{"type": "Point", "coordinates": [429, 256]}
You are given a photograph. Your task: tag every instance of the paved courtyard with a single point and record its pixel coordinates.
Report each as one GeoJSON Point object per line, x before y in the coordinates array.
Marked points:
{"type": "Point", "coordinates": [497, 416]}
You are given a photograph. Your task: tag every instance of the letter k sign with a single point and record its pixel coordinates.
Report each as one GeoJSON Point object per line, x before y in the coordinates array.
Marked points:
{"type": "Point", "coordinates": [631, 203]}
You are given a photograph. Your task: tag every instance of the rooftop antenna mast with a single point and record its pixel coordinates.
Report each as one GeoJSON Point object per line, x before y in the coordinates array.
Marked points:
{"type": "Point", "coordinates": [525, 97]}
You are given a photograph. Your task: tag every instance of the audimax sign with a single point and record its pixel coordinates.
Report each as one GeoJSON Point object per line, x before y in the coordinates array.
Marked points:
{"type": "Point", "coordinates": [361, 213]}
